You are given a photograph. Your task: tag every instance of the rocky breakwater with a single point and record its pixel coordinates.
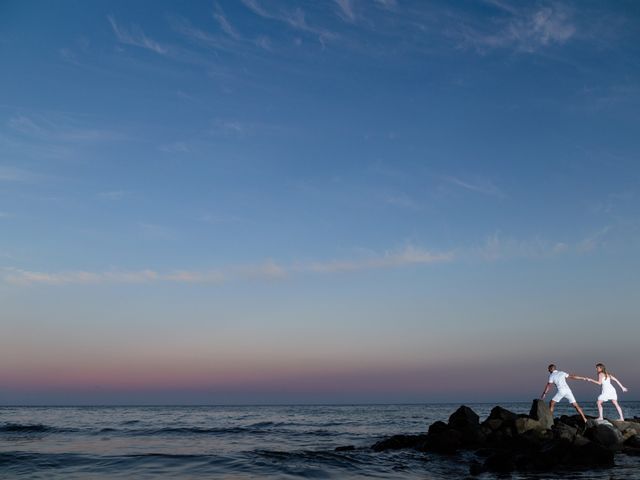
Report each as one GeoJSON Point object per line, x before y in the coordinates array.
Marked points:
{"type": "Point", "coordinates": [506, 441]}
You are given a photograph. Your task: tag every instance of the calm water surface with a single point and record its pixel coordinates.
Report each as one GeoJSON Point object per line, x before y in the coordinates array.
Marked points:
{"type": "Point", "coordinates": [238, 442]}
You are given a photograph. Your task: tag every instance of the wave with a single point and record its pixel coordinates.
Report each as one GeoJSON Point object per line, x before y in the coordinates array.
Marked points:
{"type": "Point", "coordinates": [346, 460]}
{"type": "Point", "coordinates": [31, 428]}
{"type": "Point", "coordinates": [194, 431]}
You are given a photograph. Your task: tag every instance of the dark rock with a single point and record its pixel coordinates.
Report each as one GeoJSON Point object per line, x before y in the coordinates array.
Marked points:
{"type": "Point", "coordinates": [633, 442]}
{"type": "Point", "coordinates": [464, 418]}
{"type": "Point", "coordinates": [572, 420]}
{"type": "Point", "coordinates": [523, 425]}
{"type": "Point", "coordinates": [437, 427]}
{"type": "Point", "coordinates": [590, 455]}
{"type": "Point", "coordinates": [493, 424]}
{"type": "Point", "coordinates": [398, 442]}
{"type": "Point", "coordinates": [540, 411]}
{"type": "Point", "coordinates": [562, 431]}
{"type": "Point", "coordinates": [627, 429]}
{"type": "Point", "coordinates": [606, 435]}
{"type": "Point", "coordinates": [500, 462]}
{"type": "Point", "coordinates": [499, 413]}
{"type": "Point", "coordinates": [446, 441]}
{"type": "Point", "coordinates": [551, 454]}
{"type": "Point", "coordinates": [345, 448]}
{"type": "Point", "coordinates": [632, 446]}
{"type": "Point", "coordinates": [532, 439]}
{"type": "Point", "coordinates": [506, 442]}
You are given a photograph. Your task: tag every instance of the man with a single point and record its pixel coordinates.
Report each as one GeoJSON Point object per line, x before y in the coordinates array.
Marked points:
{"type": "Point", "coordinates": [559, 379]}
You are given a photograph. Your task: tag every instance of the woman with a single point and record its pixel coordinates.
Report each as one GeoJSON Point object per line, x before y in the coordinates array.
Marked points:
{"type": "Point", "coordinates": [608, 390]}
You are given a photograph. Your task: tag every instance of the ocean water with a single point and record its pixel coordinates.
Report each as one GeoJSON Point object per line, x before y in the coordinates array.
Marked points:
{"type": "Point", "coordinates": [237, 442]}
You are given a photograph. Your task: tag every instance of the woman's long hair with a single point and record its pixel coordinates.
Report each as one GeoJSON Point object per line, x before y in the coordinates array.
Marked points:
{"type": "Point", "coordinates": [604, 369]}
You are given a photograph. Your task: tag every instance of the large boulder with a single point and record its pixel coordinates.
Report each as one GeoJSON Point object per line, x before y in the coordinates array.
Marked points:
{"type": "Point", "coordinates": [499, 413]}
{"type": "Point", "coordinates": [523, 425]}
{"type": "Point", "coordinates": [605, 435]}
{"type": "Point", "coordinates": [573, 420]}
{"type": "Point", "coordinates": [446, 441]}
{"type": "Point", "coordinates": [562, 431]}
{"type": "Point", "coordinates": [437, 427]}
{"type": "Point", "coordinates": [540, 411]}
{"type": "Point", "coordinates": [632, 446]}
{"type": "Point", "coordinates": [633, 442]}
{"type": "Point", "coordinates": [589, 454]}
{"type": "Point", "coordinates": [464, 418]}
{"type": "Point", "coordinates": [627, 429]}
{"type": "Point", "coordinates": [493, 424]}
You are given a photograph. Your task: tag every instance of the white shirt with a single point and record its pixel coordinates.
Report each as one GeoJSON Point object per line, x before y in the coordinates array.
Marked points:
{"type": "Point", "coordinates": [560, 379]}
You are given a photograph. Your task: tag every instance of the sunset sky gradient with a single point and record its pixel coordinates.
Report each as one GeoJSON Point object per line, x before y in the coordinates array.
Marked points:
{"type": "Point", "coordinates": [340, 201]}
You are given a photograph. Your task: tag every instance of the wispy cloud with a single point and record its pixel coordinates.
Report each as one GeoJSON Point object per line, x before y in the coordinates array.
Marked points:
{"type": "Point", "coordinates": [59, 129]}
{"type": "Point", "coordinates": [388, 4]}
{"type": "Point", "coordinates": [184, 27]}
{"type": "Point", "coordinates": [522, 29]}
{"type": "Point", "coordinates": [478, 185]}
{"type": "Point", "coordinates": [594, 240]}
{"type": "Point", "coordinates": [409, 255]}
{"type": "Point", "coordinates": [135, 37]}
{"type": "Point", "coordinates": [268, 270]}
{"type": "Point", "coordinates": [295, 19]}
{"type": "Point", "coordinates": [264, 43]}
{"type": "Point", "coordinates": [499, 247]}
{"type": "Point", "coordinates": [224, 23]}
{"type": "Point", "coordinates": [346, 10]}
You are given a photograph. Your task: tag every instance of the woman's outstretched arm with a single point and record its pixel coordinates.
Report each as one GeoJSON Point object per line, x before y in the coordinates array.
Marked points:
{"type": "Point", "coordinates": [624, 389]}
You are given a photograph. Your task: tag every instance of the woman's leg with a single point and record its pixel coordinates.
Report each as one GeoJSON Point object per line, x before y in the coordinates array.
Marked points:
{"type": "Point", "coordinates": [600, 410]}
{"type": "Point", "coordinates": [615, 403]}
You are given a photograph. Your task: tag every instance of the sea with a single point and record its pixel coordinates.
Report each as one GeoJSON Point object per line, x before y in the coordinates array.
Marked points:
{"type": "Point", "coordinates": [242, 442]}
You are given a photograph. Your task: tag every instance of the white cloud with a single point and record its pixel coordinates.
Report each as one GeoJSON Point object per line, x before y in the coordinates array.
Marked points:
{"type": "Point", "coordinates": [498, 247]}
{"type": "Point", "coordinates": [409, 255]}
{"type": "Point", "coordinates": [294, 18]}
{"type": "Point", "coordinates": [135, 37]}
{"type": "Point", "coordinates": [268, 270]}
{"type": "Point", "coordinates": [523, 29]}
{"type": "Point", "coordinates": [25, 277]}
{"type": "Point", "coordinates": [58, 129]}
{"type": "Point", "coordinates": [346, 10]}
{"type": "Point", "coordinates": [388, 4]}
{"type": "Point", "coordinates": [224, 23]}
{"type": "Point", "coordinates": [593, 241]}
{"type": "Point", "coordinates": [483, 186]}
{"type": "Point", "coordinates": [263, 42]}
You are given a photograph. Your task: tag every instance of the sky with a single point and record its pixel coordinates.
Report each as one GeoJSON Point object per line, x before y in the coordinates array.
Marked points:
{"type": "Point", "coordinates": [344, 201]}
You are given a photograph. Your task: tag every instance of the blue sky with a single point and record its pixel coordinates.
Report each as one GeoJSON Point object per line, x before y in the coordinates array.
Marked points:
{"type": "Point", "coordinates": [234, 196]}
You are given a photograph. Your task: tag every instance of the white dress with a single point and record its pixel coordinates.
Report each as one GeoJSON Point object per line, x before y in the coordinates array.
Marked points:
{"type": "Point", "coordinates": [608, 390]}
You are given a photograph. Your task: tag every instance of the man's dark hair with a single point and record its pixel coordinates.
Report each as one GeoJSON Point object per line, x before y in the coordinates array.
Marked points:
{"type": "Point", "coordinates": [552, 367]}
